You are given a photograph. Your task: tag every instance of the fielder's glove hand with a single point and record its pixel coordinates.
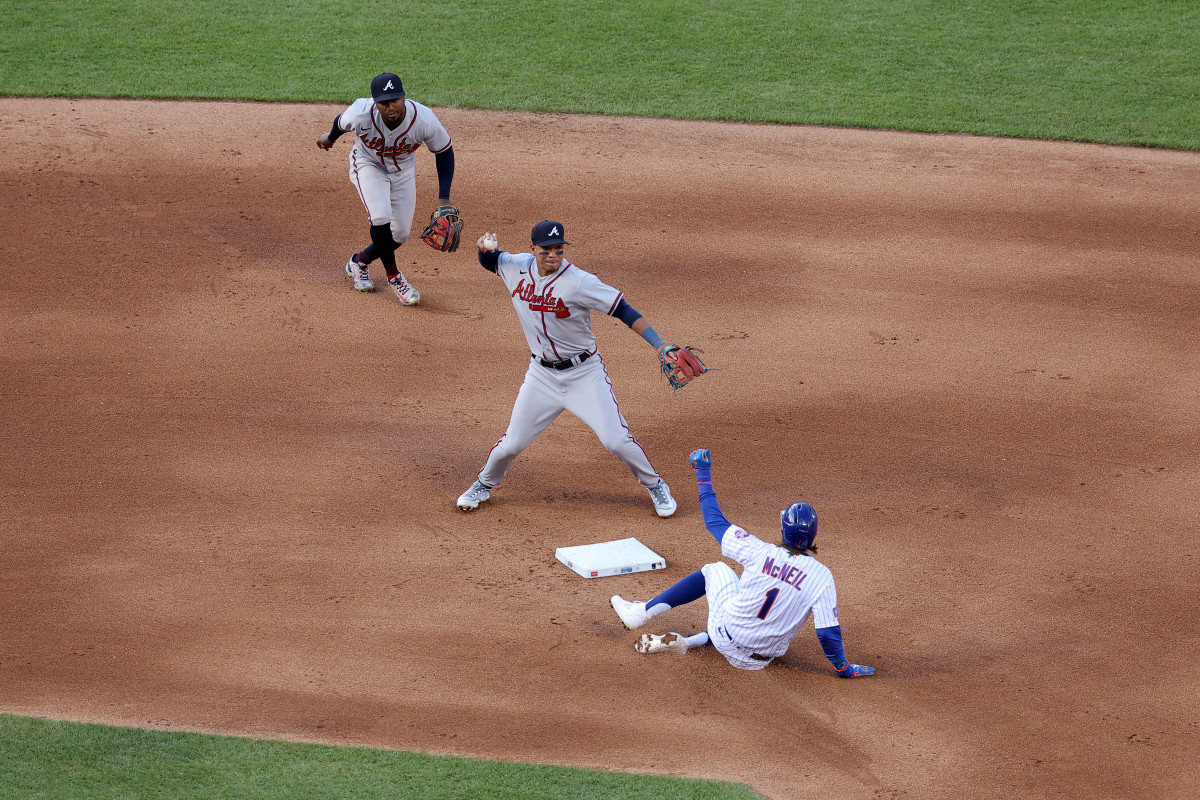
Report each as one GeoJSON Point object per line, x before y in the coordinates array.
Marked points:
{"type": "Point", "coordinates": [679, 365]}
{"type": "Point", "coordinates": [444, 229]}
{"type": "Point", "coordinates": [855, 671]}
{"type": "Point", "coordinates": [700, 459]}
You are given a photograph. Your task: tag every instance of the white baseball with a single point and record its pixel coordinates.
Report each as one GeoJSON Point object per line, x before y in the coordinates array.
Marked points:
{"type": "Point", "coordinates": [489, 243]}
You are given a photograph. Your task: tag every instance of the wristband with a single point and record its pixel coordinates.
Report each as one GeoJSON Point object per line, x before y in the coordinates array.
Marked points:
{"type": "Point", "coordinates": [652, 337]}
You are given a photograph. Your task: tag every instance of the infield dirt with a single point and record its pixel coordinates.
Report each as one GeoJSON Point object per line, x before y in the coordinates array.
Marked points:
{"type": "Point", "coordinates": [229, 479]}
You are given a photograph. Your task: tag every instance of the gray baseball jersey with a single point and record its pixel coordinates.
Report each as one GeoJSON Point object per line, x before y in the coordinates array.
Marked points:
{"type": "Point", "coordinates": [391, 150]}
{"type": "Point", "coordinates": [555, 310]}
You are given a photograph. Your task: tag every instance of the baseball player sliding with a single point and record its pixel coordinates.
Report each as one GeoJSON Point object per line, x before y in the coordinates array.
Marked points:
{"type": "Point", "coordinates": [751, 620]}
{"type": "Point", "coordinates": [554, 299]}
{"type": "Point", "coordinates": [388, 128]}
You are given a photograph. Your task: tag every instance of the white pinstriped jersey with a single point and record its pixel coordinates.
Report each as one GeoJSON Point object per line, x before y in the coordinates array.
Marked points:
{"type": "Point", "coordinates": [391, 150]}
{"type": "Point", "coordinates": [555, 310]}
{"type": "Point", "coordinates": [776, 594]}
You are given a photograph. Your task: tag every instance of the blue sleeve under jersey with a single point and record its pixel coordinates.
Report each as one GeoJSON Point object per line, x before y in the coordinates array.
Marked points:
{"type": "Point", "coordinates": [626, 313]}
{"type": "Point", "coordinates": [831, 643]}
{"type": "Point", "coordinates": [489, 260]}
{"type": "Point", "coordinates": [714, 520]}
{"type": "Point", "coordinates": [336, 131]}
{"type": "Point", "coordinates": [444, 161]}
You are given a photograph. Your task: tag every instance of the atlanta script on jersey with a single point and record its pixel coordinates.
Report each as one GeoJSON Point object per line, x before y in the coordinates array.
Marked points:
{"type": "Point", "coordinates": [554, 310]}
{"type": "Point", "coordinates": [392, 150]}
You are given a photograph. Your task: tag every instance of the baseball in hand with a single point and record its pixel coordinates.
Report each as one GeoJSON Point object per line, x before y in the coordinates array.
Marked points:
{"type": "Point", "coordinates": [489, 243]}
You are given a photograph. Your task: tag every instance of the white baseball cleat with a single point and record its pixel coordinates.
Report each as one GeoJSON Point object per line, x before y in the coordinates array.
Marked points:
{"type": "Point", "coordinates": [361, 276]}
{"type": "Point", "coordinates": [667, 643]}
{"type": "Point", "coordinates": [664, 504]}
{"type": "Point", "coordinates": [404, 290]}
{"type": "Point", "coordinates": [471, 498]}
{"type": "Point", "coordinates": [632, 614]}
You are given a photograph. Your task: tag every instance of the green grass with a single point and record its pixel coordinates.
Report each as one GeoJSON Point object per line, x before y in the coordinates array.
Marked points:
{"type": "Point", "coordinates": [1115, 71]}
{"type": "Point", "coordinates": [43, 759]}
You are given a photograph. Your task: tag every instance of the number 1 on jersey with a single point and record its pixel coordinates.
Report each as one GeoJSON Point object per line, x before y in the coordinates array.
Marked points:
{"type": "Point", "coordinates": [768, 602]}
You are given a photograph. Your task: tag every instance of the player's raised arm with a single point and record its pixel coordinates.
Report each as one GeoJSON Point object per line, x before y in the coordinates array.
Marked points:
{"type": "Point", "coordinates": [714, 520]}
{"type": "Point", "coordinates": [488, 251]}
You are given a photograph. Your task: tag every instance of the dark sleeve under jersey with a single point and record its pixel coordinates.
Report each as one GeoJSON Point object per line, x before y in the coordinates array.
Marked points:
{"type": "Point", "coordinates": [626, 313]}
{"type": "Point", "coordinates": [336, 131]}
{"type": "Point", "coordinates": [445, 172]}
{"type": "Point", "coordinates": [489, 260]}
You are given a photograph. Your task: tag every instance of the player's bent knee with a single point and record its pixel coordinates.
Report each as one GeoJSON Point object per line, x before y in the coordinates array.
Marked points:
{"type": "Point", "coordinates": [381, 237]}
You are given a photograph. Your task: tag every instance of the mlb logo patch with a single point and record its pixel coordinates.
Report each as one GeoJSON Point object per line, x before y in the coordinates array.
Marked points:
{"type": "Point", "coordinates": [835, 612]}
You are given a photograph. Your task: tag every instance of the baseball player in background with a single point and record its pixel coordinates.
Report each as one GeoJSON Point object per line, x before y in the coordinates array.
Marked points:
{"type": "Point", "coordinates": [554, 299]}
{"type": "Point", "coordinates": [751, 620]}
{"type": "Point", "coordinates": [388, 128]}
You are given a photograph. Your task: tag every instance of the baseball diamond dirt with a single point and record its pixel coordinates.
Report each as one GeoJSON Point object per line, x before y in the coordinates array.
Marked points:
{"type": "Point", "coordinates": [230, 480]}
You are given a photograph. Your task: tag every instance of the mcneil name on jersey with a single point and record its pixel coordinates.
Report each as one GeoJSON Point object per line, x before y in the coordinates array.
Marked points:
{"type": "Point", "coordinates": [786, 573]}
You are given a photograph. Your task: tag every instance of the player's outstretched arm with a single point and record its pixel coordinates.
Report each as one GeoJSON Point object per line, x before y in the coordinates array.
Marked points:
{"type": "Point", "coordinates": [714, 520]}
{"type": "Point", "coordinates": [831, 643]}
{"type": "Point", "coordinates": [641, 326]}
{"type": "Point", "coordinates": [678, 364]}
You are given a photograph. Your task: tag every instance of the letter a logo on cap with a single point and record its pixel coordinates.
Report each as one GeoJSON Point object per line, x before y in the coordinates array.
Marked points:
{"type": "Point", "coordinates": [389, 86]}
{"type": "Point", "coordinates": [554, 231]}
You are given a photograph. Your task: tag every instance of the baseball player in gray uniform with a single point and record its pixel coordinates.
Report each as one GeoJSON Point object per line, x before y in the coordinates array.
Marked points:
{"type": "Point", "coordinates": [554, 299]}
{"type": "Point", "coordinates": [751, 620]}
{"type": "Point", "coordinates": [388, 128]}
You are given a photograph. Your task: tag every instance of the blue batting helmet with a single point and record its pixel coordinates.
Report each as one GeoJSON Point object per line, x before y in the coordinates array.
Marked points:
{"type": "Point", "coordinates": [798, 525]}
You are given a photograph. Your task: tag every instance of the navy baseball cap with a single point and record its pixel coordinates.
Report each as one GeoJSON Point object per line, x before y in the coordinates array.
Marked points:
{"type": "Point", "coordinates": [386, 87]}
{"type": "Point", "coordinates": [548, 232]}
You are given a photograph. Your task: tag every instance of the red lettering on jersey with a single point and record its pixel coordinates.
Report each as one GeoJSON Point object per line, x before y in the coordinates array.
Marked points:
{"type": "Point", "coordinates": [786, 573]}
{"type": "Point", "coordinates": [537, 302]}
{"type": "Point", "coordinates": [793, 577]}
{"type": "Point", "coordinates": [377, 144]}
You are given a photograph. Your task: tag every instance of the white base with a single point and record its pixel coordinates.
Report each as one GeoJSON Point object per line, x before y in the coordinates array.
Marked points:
{"type": "Point", "coordinates": [599, 560]}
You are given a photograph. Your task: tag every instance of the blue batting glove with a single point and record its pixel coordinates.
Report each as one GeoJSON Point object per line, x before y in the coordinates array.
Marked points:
{"type": "Point", "coordinates": [855, 671]}
{"type": "Point", "coordinates": [700, 459]}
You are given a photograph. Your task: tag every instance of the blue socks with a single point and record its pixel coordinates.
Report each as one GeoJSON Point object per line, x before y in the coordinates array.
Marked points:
{"type": "Point", "coordinates": [684, 591]}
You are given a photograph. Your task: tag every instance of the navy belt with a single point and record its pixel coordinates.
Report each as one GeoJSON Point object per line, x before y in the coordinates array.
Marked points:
{"type": "Point", "coordinates": [755, 656]}
{"type": "Point", "coordinates": [566, 363]}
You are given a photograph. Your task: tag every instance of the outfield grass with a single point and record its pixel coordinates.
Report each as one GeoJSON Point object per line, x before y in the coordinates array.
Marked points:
{"type": "Point", "coordinates": [1116, 71]}
{"type": "Point", "coordinates": [65, 761]}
